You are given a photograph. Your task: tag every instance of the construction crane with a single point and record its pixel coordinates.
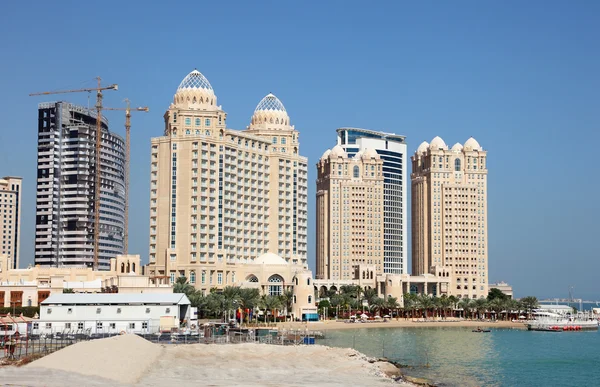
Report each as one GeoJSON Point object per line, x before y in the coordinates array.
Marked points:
{"type": "Point", "coordinates": [99, 109]}
{"type": "Point", "coordinates": [128, 111]}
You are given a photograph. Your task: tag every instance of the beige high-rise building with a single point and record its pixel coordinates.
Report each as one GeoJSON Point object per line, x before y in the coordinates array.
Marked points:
{"type": "Point", "coordinates": [221, 197]}
{"type": "Point", "coordinates": [449, 214]}
{"type": "Point", "coordinates": [349, 213]}
{"type": "Point", "coordinates": [10, 218]}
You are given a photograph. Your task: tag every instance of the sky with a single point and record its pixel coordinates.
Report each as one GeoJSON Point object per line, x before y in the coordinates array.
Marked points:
{"type": "Point", "coordinates": [521, 77]}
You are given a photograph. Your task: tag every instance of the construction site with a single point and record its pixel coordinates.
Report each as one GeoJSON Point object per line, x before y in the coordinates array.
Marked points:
{"type": "Point", "coordinates": [82, 215]}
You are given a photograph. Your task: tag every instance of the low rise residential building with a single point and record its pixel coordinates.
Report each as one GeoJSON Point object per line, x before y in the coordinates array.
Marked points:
{"type": "Point", "coordinates": [503, 287]}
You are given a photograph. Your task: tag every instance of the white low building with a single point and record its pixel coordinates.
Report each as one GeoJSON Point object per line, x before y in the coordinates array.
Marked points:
{"type": "Point", "coordinates": [112, 313]}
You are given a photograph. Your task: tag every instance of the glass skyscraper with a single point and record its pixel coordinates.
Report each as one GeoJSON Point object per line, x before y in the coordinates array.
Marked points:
{"type": "Point", "coordinates": [392, 150]}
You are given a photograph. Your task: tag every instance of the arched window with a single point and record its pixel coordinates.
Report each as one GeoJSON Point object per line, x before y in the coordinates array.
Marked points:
{"type": "Point", "coordinates": [192, 277]}
{"type": "Point", "coordinates": [133, 267]}
{"type": "Point", "coordinates": [197, 121]}
{"type": "Point", "coordinates": [308, 281]}
{"type": "Point", "coordinates": [207, 133]}
{"type": "Point", "coordinates": [457, 165]}
{"type": "Point", "coordinates": [371, 275]}
{"type": "Point", "coordinates": [310, 299]}
{"type": "Point", "coordinates": [252, 278]}
{"type": "Point", "coordinates": [363, 275]}
{"type": "Point", "coordinates": [356, 172]}
{"type": "Point", "coordinates": [187, 131]}
{"type": "Point", "coordinates": [294, 299]}
{"type": "Point", "coordinates": [128, 268]}
{"type": "Point", "coordinates": [122, 267]}
{"type": "Point", "coordinates": [275, 285]}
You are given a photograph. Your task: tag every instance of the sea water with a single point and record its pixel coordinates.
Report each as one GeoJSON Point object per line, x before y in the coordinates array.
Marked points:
{"type": "Point", "coordinates": [504, 357]}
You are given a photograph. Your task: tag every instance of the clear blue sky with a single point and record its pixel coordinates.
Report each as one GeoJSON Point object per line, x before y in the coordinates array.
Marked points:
{"type": "Point", "coordinates": [521, 77]}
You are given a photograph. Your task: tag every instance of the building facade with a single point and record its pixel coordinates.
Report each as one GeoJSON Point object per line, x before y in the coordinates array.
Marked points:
{"type": "Point", "coordinates": [66, 179]}
{"type": "Point", "coordinates": [10, 217]}
{"type": "Point", "coordinates": [449, 214]}
{"type": "Point", "coordinates": [350, 213]}
{"type": "Point", "coordinates": [392, 150]}
{"type": "Point", "coordinates": [221, 197]}
{"type": "Point", "coordinates": [31, 286]}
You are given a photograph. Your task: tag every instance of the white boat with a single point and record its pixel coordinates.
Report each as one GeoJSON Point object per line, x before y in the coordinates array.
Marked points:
{"type": "Point", "coordinates": [552, 322]}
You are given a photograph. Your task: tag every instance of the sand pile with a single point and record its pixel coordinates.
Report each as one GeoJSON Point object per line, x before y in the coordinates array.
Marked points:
{"type": "Point", "coordinates": [121, 358]}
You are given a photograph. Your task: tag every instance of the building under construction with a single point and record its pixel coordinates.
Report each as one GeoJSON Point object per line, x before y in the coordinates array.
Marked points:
{"type": "Point", "coordinates": [66, 177]}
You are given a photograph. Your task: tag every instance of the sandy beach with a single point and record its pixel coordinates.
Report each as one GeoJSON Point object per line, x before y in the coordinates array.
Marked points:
{"type": "Point", "coordinates": [129, 360]}
{"type": "Point", "coordinates": [340, 324]}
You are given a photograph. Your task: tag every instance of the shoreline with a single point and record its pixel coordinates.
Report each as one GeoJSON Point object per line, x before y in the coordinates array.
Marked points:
{"type": "Point", "coordinates": [342, 325]}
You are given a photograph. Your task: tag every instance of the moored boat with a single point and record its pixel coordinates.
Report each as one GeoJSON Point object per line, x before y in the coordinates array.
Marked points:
{"type": "Point", "coordinates": [551, 322]}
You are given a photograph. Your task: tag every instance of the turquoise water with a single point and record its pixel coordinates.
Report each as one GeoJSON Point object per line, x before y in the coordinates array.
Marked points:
{"type": "Point", "coordinates": [503, 357]}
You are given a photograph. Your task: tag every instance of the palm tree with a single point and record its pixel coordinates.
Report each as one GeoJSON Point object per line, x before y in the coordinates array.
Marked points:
{"type": "Point", "coordinates": [391, 303]}
{"type": "Point", "coordinates": [286, 299]}
{"type": "Point", "coordinates": [424, 303]}
{"type": "Point", "coordinates": [369, 295]}
{"type": "Point", "coordinates": [453, 302]}
{"type": "Point", "coordinates": [529, 304]}
{"type": "Point", "coordinates": [231, 296]}
{"type": "Point", "coordinates": [481, 305]}
{"type": "Point", "coordinates": [410, 303]}
{"type": "Point", "coordinates": [497, 305]}
{"type": "Point", "coordinates": [444, 304]}
{"type": "Point", "coordinates": [465, 304]}
{"type": "Point", "coordinates": [214, 304]}
{"type": "Point", "coordinates": [270, 303]}
{"type": "Point", "coordinates": [248, 299]}
{"type": "Point", "coordinates": [182, 286]}
{"type": "Point", "coordinates": [377, 304]}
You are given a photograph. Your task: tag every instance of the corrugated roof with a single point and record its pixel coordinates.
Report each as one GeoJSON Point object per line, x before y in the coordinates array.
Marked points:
{"type": "Point", "coordinates": [117, 298]}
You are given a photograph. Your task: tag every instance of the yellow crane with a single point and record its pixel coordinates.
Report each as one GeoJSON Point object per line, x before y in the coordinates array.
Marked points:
{"type": "Point", "coordinates": [98, 133]}
{"type": "Point", "coordinates": [128, 111]}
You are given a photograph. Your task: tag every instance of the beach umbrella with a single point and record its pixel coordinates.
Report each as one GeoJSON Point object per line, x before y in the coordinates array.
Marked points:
{"type": "Point", "coordinates": [386, 316]}
{"type": "Point", "coordinates": [377, 316]}
{"type": "Point", "coordinates": [363, 315]}
{"type": "Point", "coordinates": [522, 316]}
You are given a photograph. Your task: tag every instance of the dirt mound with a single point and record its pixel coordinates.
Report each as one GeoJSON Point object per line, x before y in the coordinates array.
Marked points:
{"type": "Point", "coordinates": [121, 358]}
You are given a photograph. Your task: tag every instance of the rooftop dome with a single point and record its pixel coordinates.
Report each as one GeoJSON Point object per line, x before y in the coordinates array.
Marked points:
{"type": "Point", "coordinates": [195, 80]}
{"type": "Point", "coordinates": [326, 154]}
{"type": "Point", "coordinates": [423, 147]}
{"type": "Point", "coordinates": [370, 153]}
{"type": "Point", "coordinates": [338, 151]}
{"type": "Point", "coordinates": [270, 114]}
{"type": "Point", "coordinates": [472, 144]}
{"type": "Point", "coordinates": [358, 155]}
{"type": "Point", "coordinates": [270, 259]}
{"type": "Point", "coordinates": [437, 143]}
{"type": "Point", "coordinates": [270, 102]}
{"type": "Point", "coordinates": [457, 147]}
{"type": "Point", "coordinates": [195, 93]}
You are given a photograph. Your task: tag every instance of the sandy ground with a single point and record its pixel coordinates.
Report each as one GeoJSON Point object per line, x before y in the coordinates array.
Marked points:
{"type": "Point", "coordinates": [129, 360]}
{"type": "Point", "coordinates": [340, 324]}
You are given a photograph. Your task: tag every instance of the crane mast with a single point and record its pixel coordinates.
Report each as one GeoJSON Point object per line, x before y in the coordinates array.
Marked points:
{"type": "Point", "coordinates": [127, 110]}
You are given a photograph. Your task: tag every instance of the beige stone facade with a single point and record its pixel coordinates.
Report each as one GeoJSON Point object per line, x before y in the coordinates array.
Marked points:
{"type": "Point", "coordinates": [10, 218]}
{"type": "Point", "coordinates": [449, 214]}
{"type": "Point", "coordinates": [219, 197]}
{"type": "Point", "coordinates": [349, 213]}
{"type": "Point", "coordinates": [29, 287]}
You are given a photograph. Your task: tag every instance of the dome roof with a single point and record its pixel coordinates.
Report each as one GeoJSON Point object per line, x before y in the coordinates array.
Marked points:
{"type": "Point", "coordinates": [270, 114]}
{"type": "Point", "coordinates": [195, 80]}
{"type": "Point", "coordinates": [326, 154]}
{"type": "Point", "coordinates": [338, 151]}
{"type": "Point", "coordinates": [472, 144]}
{"type": "Point", "coordinates": [423, 147]}
{"type": "Point", "coordinates": [270, 259]}
{"type": "Point", "coordinates": [457, 147]}
{"type": "Point", "coordinates": [437, 143]}
{"type": "Point", "coordinates": [370, 153]}
{"type": "Point", "coordinates": [195, 93]}
{"type": "Point", "coordinates": [270, 102]}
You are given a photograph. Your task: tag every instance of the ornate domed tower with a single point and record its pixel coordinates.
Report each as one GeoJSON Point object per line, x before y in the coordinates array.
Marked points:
{"type": "Point", "coordinates": [194, 110]}
{"type": "Point", "coordinates": [289, 179]}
